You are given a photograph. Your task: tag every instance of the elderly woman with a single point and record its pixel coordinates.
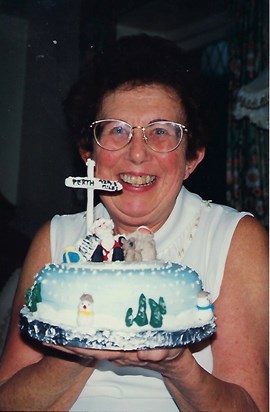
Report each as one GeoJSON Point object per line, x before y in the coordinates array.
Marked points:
{"type": "Point", "coordinates": [133, 111]}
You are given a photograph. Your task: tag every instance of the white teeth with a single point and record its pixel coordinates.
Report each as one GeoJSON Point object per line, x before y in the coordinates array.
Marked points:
{"type": "Point", "coordinates": [138, 180]}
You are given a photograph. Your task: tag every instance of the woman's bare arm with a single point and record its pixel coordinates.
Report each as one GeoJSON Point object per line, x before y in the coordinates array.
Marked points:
{"type": "Point", "coordinates": [33, 377]}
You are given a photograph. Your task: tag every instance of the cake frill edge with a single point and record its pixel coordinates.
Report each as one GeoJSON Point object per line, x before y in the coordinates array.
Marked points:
{"type": "Point", "coordinates": [110, 339]}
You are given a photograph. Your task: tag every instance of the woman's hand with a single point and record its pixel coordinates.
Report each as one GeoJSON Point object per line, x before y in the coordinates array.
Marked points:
{"type": "Point", "coordinates": [156, 359]}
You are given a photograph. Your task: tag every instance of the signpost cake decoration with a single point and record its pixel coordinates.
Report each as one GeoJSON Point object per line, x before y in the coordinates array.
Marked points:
{"type": "Point", "coordinates": [91, 183]}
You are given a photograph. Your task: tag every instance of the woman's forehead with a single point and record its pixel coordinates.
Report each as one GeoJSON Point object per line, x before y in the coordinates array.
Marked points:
{"type": "Point", "coordinates": [135, 97]}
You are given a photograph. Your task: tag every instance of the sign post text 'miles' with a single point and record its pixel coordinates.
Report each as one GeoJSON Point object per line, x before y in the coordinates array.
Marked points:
{"type": "Point", "coordinates": [91, 183]}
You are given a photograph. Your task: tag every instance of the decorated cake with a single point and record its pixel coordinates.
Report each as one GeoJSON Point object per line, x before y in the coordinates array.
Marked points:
{"type": "Point", "coordinates": [111, 292]}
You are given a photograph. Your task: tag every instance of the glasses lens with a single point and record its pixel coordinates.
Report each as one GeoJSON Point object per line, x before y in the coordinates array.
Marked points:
{"type": "Point", "coordinates": [112, 134]}
{"type": "Point", "coordinates": [163, 136]}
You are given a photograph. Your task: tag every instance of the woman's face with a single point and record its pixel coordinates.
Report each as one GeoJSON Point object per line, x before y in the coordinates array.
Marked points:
{"type": "Point", "coordinates": [151, 180]}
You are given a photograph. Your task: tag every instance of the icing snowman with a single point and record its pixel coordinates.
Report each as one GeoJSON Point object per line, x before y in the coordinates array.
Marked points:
{"type": "Point", "coordinates": [204, 307]}
{"type": "Point", "coordinates": [85, 314]}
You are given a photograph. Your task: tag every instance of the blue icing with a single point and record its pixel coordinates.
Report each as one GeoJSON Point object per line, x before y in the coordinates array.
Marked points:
{"type": "Point", "coordinates": [179, 296]}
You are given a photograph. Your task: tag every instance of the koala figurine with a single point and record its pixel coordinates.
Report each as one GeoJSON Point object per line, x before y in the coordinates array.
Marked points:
{"type": "Point", "coordinates": [139, 246]}
{"type": "Point", "coordinates": [131, 254]}
{"type": "Point", "coordinates": [145, 243]}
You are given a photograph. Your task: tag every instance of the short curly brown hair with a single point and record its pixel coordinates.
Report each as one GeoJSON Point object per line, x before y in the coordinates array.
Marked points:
{"type": "Point", "coordinates": [135, 60]}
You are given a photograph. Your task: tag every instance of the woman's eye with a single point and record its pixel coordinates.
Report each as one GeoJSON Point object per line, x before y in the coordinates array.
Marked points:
{"type": "Point", "coordinates": [118, 130]}
{"type": "Point", "coordinates": [160, 131]}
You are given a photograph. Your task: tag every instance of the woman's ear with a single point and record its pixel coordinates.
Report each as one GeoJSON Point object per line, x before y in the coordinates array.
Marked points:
{"type": "Point", "coordinates": [192, 164]}
{"type": "Point", "coordinates": [85, 154]}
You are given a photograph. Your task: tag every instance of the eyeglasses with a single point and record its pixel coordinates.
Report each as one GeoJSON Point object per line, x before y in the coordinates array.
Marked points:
{"type": "Point", "coordinates": [162, 136]}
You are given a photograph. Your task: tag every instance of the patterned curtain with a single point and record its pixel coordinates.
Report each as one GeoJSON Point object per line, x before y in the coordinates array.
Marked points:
{"type": "Point", "coordinates": [247, 155]}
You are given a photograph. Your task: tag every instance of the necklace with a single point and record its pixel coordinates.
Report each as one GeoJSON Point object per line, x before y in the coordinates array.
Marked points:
{"type": "Point", "coordinates": [191, 229]}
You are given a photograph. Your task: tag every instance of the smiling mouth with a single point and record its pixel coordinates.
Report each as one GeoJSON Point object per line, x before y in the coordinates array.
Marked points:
{"type": "Point", "coordinates": [146, 180]}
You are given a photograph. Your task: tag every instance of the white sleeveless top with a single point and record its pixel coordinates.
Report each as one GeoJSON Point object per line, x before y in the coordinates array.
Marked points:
{"type": "Point", "coordinates": [197, 234]}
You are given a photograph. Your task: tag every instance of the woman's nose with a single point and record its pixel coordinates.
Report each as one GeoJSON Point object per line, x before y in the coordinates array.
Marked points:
{"type": "Point", "coordinates": [137, 148]}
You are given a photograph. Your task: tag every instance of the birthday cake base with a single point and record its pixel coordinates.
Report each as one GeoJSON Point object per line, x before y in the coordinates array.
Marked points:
{"type": "Point", "coordinates": [118, 305]}
{"type": "Point", "coordinates": [111, 339]}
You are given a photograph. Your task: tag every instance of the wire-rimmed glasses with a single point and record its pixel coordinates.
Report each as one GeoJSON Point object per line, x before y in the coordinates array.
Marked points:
{"type": "Point", "coordinates": [161, 136]}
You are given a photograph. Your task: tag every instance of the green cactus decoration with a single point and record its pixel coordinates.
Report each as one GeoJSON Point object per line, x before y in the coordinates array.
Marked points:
{"type": "Point", "coordinates": [33, 296]}
{"type": "Point", "coordinates": [162, 306]}
{"type": "Point", "coordinates": [141, 317]}
{"type": "Point", "coordinates": [157, 311]}
{"type": "Point", "coordinates": [156, 318]}
{"type": "Point", "coordinates": [129, 317]}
